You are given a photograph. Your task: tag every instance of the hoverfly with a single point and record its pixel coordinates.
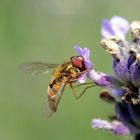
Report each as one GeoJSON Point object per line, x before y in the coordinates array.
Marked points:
{"type": "Point", "coordinates": [65, 73]}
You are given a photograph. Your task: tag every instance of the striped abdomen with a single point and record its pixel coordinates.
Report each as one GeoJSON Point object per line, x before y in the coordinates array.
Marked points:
{"type": "Point", "coordinates": [55, 90]}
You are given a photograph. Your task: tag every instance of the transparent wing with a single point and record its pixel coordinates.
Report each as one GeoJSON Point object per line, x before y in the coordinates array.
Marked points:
{"type": "Point", "coordinates": [59, 94]}
{"type": "Point", "coordinates": [37, 67]}
{"type": "Point", "coordinates": [48, 110]}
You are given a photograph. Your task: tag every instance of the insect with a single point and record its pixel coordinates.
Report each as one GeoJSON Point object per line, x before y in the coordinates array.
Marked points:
{"type": "Point", "coordinates": [66, 73]}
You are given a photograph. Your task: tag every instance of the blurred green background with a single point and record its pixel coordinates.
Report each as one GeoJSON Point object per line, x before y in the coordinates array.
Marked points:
{"type": "Point", "coordinates": [47, 30]}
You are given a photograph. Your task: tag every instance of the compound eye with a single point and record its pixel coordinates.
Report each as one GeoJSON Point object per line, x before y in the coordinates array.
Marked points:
{"type": "Point", "coordinates": [78, 62]}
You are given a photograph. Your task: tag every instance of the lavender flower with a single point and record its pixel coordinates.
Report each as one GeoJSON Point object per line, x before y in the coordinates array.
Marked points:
{"type": "Point", "coordinates": [116, 26]}
{"type": "Point", "coordinates": [115, 127]}
{"type": "Point", "coordinates": [85, 53]}
{"type": "Point", "coordinates": [123, 88]}
{"type": "Point", "coordinates": [100, 78]}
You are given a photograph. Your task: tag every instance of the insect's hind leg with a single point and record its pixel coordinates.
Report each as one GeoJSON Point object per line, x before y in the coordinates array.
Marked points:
{"type": "Point", "coordinates": [74, 92]}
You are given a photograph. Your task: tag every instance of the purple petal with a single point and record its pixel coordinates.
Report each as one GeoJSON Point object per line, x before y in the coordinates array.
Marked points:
{"type": "Point", "coordinates": [120, 26]}
{"type": "Point", "coordinates": [101, 124]}
{"type": "Point", "coordinates": [130, 61]}
{"type": "Point", "coordinates": [85, 53]}
{"type": "Point", "coordinates": [82, 79]}
{"type": "Point", "coordinates": [119, 128]}
{"type": "Point", "coordinates": [116, 26]}
{"type": "Point", "coordinates": [106, 30]}
{"type": "Point", "coordinates": [117, 92]}
{"type": "Point", "coordinates": [99, 78]}
{"type": "Point", "coordinates": [121, 70]}
{"type": "Point", "coordinates": [116, 127]}
{"type": "Point", "coordinates": [135, 73]}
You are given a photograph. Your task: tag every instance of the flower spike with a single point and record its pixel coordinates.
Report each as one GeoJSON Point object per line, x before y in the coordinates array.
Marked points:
{"type": "Point", "coordinates": [123, 87]}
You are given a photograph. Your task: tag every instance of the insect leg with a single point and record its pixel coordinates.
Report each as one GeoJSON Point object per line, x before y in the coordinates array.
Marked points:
{"type": "Point", "coordinates": [89, 83]}
{"type": "Point", "coordinates": [74, 92]}
{"type": "Point", "coordinates": [86, 89]}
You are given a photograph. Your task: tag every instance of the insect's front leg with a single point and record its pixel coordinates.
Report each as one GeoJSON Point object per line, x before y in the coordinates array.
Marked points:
{"type": "Point", "coordinates": [79, 74]}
